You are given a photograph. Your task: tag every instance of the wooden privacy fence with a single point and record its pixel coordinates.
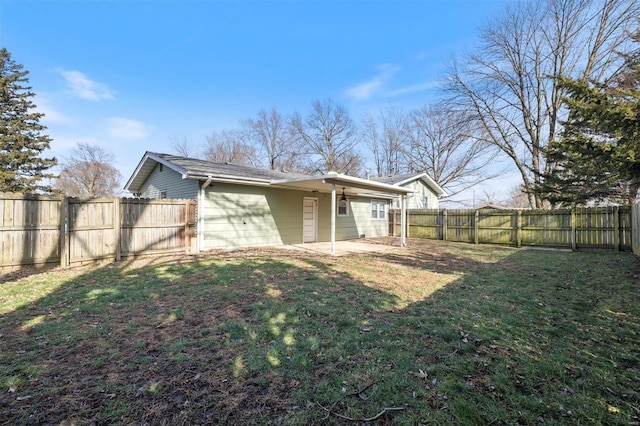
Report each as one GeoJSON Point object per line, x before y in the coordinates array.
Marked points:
{"type": "Point", "coordinates": [36, 230]}
{"type": "Point", "coordinates": [589, 228]}
{"type": "Point", "coordinates": [635, 224]}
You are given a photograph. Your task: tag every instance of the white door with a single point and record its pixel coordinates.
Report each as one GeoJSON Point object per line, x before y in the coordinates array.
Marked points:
{"type": "Point", "coordinates": [309, 220]}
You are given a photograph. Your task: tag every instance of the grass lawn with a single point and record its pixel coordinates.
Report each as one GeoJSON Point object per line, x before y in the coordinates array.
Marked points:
{"type": "Point", "coordinates": [439, 333]}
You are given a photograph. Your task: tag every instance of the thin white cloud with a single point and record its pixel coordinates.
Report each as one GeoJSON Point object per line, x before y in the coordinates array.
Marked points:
{"type": "Point", "coordinates": [85, 88]}
{"type": "Point", "coordinates": [51, 115]}
{"type": "Point", "coordinates": [413, 89]}
{"type": "Point", "coordinates": [126, 128]}
{"type": "Point", "coordinates": [369, 88]}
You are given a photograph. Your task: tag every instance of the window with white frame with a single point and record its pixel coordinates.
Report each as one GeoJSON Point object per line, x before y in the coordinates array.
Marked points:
{"type": "Point", "coordinates": [343, 207]}
{"type": "Point", "coordinates": [378, 209]}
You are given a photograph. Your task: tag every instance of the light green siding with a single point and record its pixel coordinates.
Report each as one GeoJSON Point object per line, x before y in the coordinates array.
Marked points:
{"type": "Point", "coordinates": [168, 180]}
{"type": "Point", "coordinates": [242, 216]}
{"type": "Point", "coordinates": [423, 199]}
{"type": "Point", "coordinates": [361, 210]}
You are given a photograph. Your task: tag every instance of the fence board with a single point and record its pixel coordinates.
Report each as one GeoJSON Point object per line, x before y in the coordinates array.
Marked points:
{"type": "Point", "coordinates": [593, 228]}
{"type": "Point", "coordinates": [41, 229]}
{"type": "Point", "coordinates": [29, 230]}
{"type": "Point", "coordinates": [634, 223]}
{"type": "Point", "coordinates": [159, 226]}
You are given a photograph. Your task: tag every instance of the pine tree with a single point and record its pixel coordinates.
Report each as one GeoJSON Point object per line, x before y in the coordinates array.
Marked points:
{"type": "Point", "coordinates": [22, 169]}
{"type": "Point", "coordinates": [598, 157]}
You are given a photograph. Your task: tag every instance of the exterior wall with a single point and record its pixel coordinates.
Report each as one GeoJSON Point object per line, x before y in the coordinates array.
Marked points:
{"type": "Point", "coordinates": [242, 216]}
{"type": "Point", "coordinates": [359, 221]}
{"type": "Point", "coordinates": [423, 199]}
{"type": "Point", "coordinates": [168, 180]}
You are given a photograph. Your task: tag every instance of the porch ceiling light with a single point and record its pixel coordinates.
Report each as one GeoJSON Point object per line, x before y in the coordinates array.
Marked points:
{"type": "Point", "coordinates": [344, 197]}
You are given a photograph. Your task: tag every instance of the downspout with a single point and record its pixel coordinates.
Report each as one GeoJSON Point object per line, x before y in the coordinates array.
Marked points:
{"type": "Point", "coordinates": [203, 190]}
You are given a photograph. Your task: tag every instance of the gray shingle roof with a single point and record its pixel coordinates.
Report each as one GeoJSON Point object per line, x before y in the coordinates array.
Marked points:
{"type": "Point", "coordinates": [196, 167]}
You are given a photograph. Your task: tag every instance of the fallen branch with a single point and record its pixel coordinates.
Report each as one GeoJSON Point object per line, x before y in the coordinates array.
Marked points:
{"type": "Point", "coordinates": [359, 394]}
{"type": "Point", "coordinates": [362, 419]}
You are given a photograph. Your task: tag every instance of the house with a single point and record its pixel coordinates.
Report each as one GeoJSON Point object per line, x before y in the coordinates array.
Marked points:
{"type": "Point", "coordinates": [427, 192]}
{"type": "Point", "coordinates": [242, 206]}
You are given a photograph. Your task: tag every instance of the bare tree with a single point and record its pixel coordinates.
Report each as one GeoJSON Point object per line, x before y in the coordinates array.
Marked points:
{"type": "Point", "coordinates": [516, 198]}
{"type": "Point", "coordinates": [183, 146]}
{"type": "Point", "coordinates": [89, 173]}
{"type": "Point", "coordinates": [228, 147]}
{"type": "Point", "coordinates": [330, 133]}
{"type": "Point", "coordinates": [511, 82]}
{"type": "Point", "coordinates": [271, 134]}
{"type": "Point", "coordinates": [387, 137]}
{"type": "Point", "coordinates": [448, 145]}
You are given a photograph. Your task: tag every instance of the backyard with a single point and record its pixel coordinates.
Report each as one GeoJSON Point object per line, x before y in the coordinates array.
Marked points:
{"type": "Point", "coordinates": [437, 333]}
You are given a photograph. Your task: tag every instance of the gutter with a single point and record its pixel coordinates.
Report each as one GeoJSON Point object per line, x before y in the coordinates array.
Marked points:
{"type": "Point", "coordinates": [228, 179]}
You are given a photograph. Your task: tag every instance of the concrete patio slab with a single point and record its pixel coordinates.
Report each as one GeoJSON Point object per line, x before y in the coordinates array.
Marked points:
{"type": "Point", "coordinates": [345, 247]}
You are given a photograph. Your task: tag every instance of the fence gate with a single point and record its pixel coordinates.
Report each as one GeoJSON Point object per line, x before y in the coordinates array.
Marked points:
{"type": "Point", "coordinates": [109, 229]}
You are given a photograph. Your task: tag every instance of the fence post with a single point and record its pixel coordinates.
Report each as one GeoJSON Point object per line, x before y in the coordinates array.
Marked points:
{"type": "Point", "coordinates": [574, 242]}
{"type": "Point", "coordinates": [117, 228]}
{"type": "Point", "coordinates": [616, 228]}
{"type": "Point", "coordinates": [444, 224]}
{"type": "Point", "coordinates": [476, 217]}
{"type": "Point", "coordinates": [187, 237]}
{"type": "Point", "coordinates": [64, 232]}
{"type": "Point", "coordinates": [519, 229]}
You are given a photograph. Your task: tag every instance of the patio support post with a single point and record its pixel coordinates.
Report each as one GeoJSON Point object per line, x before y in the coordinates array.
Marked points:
{"type": "Point", "coordinates": [403, 221]}
{"type": "Point", "coordinates": [333, 219]}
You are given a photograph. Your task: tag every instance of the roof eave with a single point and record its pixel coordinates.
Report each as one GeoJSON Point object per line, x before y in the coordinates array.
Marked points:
{"type": "Point", "coordinates": [343, 180]}
{"type": "Point", "coordinates": [137, 177]}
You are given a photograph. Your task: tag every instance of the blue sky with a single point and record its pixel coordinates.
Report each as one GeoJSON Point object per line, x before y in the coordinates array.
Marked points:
{"type": "Point", "coordinates": [130, 75]}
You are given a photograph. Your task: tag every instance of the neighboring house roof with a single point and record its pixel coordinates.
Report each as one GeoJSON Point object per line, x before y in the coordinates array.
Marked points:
{"type": "Point", "coordinates": [191, 168]}
{"type": "Point", "coordinates": [492, 206]}
{"type": "Point", "coordinates": [404, 179]}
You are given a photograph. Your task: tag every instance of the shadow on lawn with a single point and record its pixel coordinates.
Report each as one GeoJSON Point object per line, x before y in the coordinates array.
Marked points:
{"type": "Point", "coordinates": [268, 336]}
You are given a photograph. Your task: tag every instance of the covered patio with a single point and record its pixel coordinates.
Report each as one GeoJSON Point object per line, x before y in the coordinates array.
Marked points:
{"type": "Point", "coordinates": [350, 186]}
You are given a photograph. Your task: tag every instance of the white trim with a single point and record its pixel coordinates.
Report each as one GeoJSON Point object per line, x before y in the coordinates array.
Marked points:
{"type": "Point", "coordinates": [333, 178]}
{"type": "Point", "coordinates": [378, 203]}
{"type": "Point", "coordinates": [333, 219]}
{"type": "Point", "coordinates": [202, 198]}
{"type": "Point", "coordinates": [403, 221]}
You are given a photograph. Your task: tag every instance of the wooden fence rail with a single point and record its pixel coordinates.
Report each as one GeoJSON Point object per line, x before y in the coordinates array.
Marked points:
{"type": "Point", "coordinates": [589, 228]}
{"type": "Point", "coordinates": [37, 230]}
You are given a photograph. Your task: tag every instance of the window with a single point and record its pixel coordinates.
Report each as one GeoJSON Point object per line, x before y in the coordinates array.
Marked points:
{"type": "Point", "coordinates": [163, 194]}
{"type": "Point", "coordinates": [343, 207]}
{"type": "Point", "coordinates": [378, 209]}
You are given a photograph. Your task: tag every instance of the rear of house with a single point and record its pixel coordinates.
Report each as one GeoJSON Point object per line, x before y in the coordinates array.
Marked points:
{"type": "Point", "coordinates": [242, 206]}
{"type": "Point", "coordinates": [241, 215]}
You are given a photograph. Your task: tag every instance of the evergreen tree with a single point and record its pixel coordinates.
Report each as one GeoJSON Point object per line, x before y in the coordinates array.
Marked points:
{"type": "Point", "coordinates": [22, 169]}
{"type": "Point", "coordinates": [598, 157]}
